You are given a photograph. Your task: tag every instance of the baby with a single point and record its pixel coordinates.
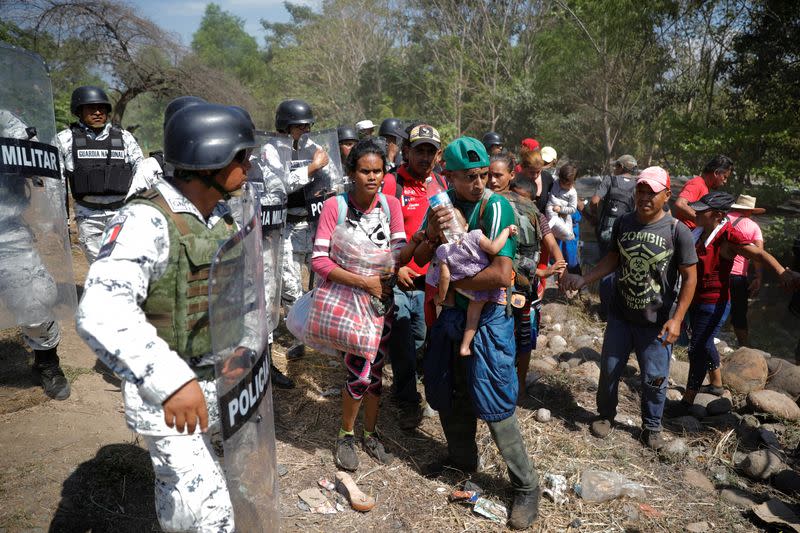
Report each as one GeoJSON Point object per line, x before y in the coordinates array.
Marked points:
{"type": "Point", "coordinates": [463, 259]}
{"type": "Point", "coordinates": [562, 203]}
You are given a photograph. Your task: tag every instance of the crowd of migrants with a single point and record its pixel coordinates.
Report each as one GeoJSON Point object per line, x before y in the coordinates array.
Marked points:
{"type": "Point", "coordinates": [437, 250]}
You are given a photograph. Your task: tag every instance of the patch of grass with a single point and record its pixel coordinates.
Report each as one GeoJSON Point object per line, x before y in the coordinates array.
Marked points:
{"type": "Point", "coordinates": [72, 372]}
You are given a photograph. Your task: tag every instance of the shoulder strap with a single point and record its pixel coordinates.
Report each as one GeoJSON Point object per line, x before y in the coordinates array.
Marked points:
{"type": "Point", "coordinates": [441, 181]}
{"type": "Point", "coordinates": [398, 185]}
{"type": "Point", "coordinates": [154, 197]}
{"type": "Point", "coordinates": [613, 182]}
{"type": "Point", "coordinates": [341, 200]}
{"type": "Point", "coordinates": [385, 206]}
{"type": "Point", "coordinates": [735, 222]}
{"type": "Point", "coordinates": [485, 200]}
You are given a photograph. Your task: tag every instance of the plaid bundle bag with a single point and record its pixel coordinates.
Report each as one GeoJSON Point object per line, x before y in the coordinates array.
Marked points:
{"type": "Point", "coordinates": [342, 318]}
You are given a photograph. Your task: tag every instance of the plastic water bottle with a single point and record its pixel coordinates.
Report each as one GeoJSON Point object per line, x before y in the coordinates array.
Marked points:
{"type": "Point", "coordinates": [437, 196]}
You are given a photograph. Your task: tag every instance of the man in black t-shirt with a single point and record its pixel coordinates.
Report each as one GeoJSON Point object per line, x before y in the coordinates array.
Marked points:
{"type": "Point", "coordinates": [648, 250]}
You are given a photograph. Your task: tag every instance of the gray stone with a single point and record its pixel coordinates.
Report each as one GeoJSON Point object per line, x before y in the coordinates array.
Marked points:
{"type": "Point", "coordinates": [543, 415]}
{"type": "Point", "coordinates": [583, 341]}
{"type": "Point", "coordinates": [745, 370]}
{"type": "Point", "coordinates": [761, 464]}
{"type": "Point", "coordinates": [719, 406]}
{"type": "Point", "coordinates": [565, 366]}
{"type": "Point", "coordinates": [674, 449]}
{"type": "Point", "coordinates": [697, 411]}
{"type": "Point", "coordinates": [704, 399]}
{"type": "Point", "coordinates": [778, 429]}
{"type": "Point", "coordinates": [698, 480]}
{"type": "Point", "coordinates": [738, 458]}
{"type": "Point", "coordinates": [751, 421]}
{"type": "Point", "coordinates": [787, 481]}
{"type": "Point", "coordinates": [784, 377]}
{"type": "Point", "coordinates": [688, 424]}
{"type": "Point", "coordinates": [282, 470]}
{"type": "Point", "coordinates": [541, 367]}
{"type": "Point", "coordinates": [550, 360]}
{"type": "Point", "coordinates": [739, 498]}
{"type": "Point", "coordinates": [674, 394]}
{"type": "Point", "coordinates": [631, 421]}
{"type": "Point", "coordinates": [774, 403]}
{"type": "Point", "coordinates": [428, 411]}
{"type": "Point", "coordinates": [573, 362]}
{"type": "Point", "coordinates": [556, 328]}
{"type": "Point", "coordinates": [541, 340]}
{"type": "Point", "coordinates": [572, 330]}
{"type": "Point", "coordinates": [557, 343]}
{"type": "Point", "coordinates": [698, 527]}
{"type": "Point", "coordinates": [679, 372]}
{"type": "Point", "coordinates": [547, 318]}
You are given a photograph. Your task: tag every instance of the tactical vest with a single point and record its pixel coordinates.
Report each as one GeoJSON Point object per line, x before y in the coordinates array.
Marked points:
{"type": "Point", "coordinates": [177, 304]}
{"type": "Point", "coordinates": [100, 167]}
{"type": "Point", "coordinates": [529, 237]}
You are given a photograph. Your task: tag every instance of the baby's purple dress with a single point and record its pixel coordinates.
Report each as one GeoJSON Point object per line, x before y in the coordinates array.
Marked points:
{"type": "Point", "coordinates": [466, 259]}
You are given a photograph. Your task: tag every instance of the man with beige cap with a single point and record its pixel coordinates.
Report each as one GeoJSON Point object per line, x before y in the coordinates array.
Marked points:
{"type": "Point", "coordinates": [741, 289]}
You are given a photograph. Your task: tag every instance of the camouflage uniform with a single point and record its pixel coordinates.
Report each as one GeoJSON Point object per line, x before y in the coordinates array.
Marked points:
{"type": "Point", "coordinates": [92, 222]}
{"type": "Point", "coordinates": [191, 493]}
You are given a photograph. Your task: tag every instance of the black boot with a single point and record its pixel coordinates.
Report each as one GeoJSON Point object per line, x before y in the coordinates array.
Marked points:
{"type": "Point", "coordinates": [53, 380]}
{"type": "Point", "coordinates": [524, 509]}
{"type": "Point", "coordinates": [279, 379]}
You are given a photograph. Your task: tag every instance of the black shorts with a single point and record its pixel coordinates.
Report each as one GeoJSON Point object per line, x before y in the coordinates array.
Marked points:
{"type": "Point", "coordinates": [739, 301]}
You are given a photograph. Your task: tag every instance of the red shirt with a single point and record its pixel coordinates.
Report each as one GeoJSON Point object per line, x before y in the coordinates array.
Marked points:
{"type": "Point", "coordinates": [713, 270]}
{"type": "Point", "coordinates": [413, 202]}
{"type": "Point", "coordinates": [693, 190]}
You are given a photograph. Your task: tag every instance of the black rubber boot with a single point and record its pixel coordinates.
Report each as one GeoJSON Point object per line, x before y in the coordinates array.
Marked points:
{"type": "Point", "coordinates": [278, 378]}
{"type": "Point", "coordinates": [524, 509]}
{"type": "Point", "coordinates": [53, 380]}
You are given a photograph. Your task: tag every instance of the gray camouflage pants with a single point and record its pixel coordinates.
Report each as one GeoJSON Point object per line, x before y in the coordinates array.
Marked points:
{"type": "Point", "coordinates": [297, 243]}
{"type": "Point", "coordinates": [190, 489]}
{"type": "Point", "coordinates": [90, 231]}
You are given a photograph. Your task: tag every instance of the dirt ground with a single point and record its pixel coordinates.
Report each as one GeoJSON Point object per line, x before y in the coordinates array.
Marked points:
{"type": "Point", "coordinates": [73, 466]}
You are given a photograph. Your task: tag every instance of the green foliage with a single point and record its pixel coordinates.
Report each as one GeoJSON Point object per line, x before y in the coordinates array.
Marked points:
{"type": "Point", "coordinates": [779, 235]}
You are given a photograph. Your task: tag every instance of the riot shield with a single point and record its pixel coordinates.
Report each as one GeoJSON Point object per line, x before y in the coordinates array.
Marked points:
{"type": "Point", "coordinates": [327, 181]}
{"type": "Point", "coordinates": [268, 173]}
{"type": "Point", "coordinates": [37, 284]}
{"type": "Point", "coordinates": [237, 321]}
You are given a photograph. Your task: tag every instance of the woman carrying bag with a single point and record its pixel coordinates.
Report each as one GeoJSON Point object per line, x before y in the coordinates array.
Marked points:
{"type": "Point", "coordinates": [359, 244]}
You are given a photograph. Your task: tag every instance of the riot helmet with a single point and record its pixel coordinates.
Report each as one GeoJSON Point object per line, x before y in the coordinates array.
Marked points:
{"type": "Point", "coordinates": [392, 127]}
{"type": "Point", "coordinates": [291, 112]}
{"type": "Point", "coordinates": [491, 138]}
{"type": "Point", "coordinates": [87, 94]}
{"type": "Point", "coordinates": [346, 133]}
{"type": "Point", "coordinates": [207, 136]}
{"type": "Point", "coordinates": [179, 103]}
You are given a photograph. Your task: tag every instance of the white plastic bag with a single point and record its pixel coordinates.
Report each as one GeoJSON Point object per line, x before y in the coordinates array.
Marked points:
{"type": "Point", "coordinates": [297, 318]}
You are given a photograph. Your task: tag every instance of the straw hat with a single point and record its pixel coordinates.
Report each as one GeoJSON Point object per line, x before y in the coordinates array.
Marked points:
{"type": "Point", "coordinates": [747, 203]}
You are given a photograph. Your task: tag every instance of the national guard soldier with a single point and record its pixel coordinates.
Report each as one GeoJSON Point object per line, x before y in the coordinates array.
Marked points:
{"type": "Point", "coordinates": [393, 132]}
{"type": "Point", "coordinates": [294, 117]}
{"type": "Point", "coordinates": [493, 143]}
{"type": "Point", "coordinates": [37, 286]}
{"type": "Point", "coordinates": [145, 310]}
{"type": "Point", "coordinates": [99, 161]}
{"type": "Point", "coordinates": [348, 138]}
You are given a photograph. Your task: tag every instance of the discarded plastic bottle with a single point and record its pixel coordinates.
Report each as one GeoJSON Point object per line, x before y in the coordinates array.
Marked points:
{"type": "Point", "coordinates": [437, 196]}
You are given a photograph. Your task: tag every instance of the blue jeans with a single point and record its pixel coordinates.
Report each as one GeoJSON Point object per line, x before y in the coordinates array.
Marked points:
{"type": "Point", "coordinates": [569, 249]}
{"type": "Point", "coordinates": [620, 338]}
{"type": "Point", "coordinates": [407, 337]}
{"type": "Point", "coordinates": [706, 321]}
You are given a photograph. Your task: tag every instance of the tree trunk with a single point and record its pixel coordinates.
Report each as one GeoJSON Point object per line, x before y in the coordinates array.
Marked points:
{"type": "Point", "coordinates": [125, 98]}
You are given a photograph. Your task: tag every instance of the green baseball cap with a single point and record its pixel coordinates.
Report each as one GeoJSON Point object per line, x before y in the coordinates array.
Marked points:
{"type": "Point", "coordinates": [465, 153]}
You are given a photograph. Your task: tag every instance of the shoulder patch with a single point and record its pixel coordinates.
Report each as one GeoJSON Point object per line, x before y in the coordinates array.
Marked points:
{"type": "Point", "coordinates": [110, 237]}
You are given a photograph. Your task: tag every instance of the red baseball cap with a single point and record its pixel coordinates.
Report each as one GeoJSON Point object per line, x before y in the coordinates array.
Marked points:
{"type": "Point", "coordinates": [655, 177]}
{"type": "Point", "coordinates": [530, 144]}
